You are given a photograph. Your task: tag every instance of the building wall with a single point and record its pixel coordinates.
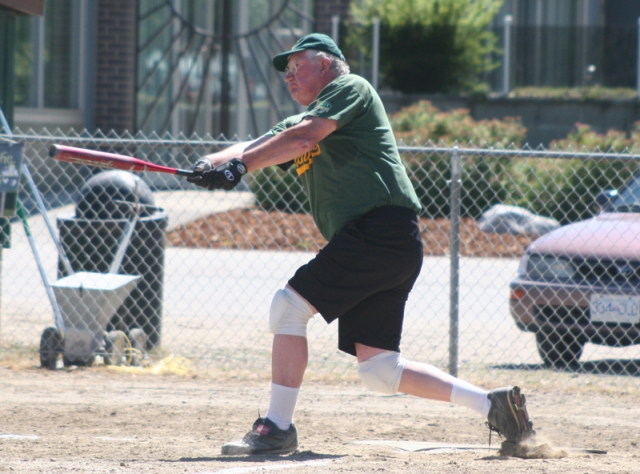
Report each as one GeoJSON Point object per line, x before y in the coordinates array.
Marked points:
{"type": "Point", "coordinates": [621, 12]}
{"type": "Point", "coordinates": [116, 65]}
{"type": "Point", "coordinates": [552, 12]}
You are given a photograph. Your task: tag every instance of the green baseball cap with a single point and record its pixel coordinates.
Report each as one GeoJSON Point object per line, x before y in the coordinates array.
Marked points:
{"type": "Point", "coordinates": [316, 41]}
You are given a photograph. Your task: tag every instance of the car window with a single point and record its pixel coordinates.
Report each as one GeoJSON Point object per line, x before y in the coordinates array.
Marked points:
{"type": "Point", "coordinates": [629, 199]}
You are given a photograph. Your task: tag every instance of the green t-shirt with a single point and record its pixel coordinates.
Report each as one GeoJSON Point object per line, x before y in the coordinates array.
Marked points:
{"type": "Point", "coordinates": [357, 167]}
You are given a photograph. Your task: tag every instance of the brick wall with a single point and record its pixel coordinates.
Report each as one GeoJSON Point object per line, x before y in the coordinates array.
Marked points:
{"type": "Point", "coordinates": [116, 65]}
{"type": "Point", "coordinates": [325, 9]}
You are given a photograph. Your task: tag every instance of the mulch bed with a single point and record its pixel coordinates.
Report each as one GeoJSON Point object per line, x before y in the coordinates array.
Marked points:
{"type": "Point", "coordinates": [256, 229]}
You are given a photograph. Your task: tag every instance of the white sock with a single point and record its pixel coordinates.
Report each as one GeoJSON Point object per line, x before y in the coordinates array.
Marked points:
{"type": "Point", "coordinates": [470, 396]}
{"type": "Point", "coordinates": [282, 405]}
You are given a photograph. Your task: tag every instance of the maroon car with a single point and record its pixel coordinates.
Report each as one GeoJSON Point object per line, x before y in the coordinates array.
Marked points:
{"type": "Point", "coordinates": [581, 283]}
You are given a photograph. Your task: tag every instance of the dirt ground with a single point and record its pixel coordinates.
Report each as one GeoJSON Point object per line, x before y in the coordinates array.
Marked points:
{"type": "Point", "coordinates": [99, 420]}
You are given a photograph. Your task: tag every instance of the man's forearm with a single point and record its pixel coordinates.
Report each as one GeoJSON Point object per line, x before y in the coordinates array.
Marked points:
{"type": "Point", "coordinates": [222, 156]}
{"type": "Point", "coordinates": [270, 150]}
{"type": "Point", "coordinates": [279, 149]}
{"type": "Point", "coordinates": [287, 145]}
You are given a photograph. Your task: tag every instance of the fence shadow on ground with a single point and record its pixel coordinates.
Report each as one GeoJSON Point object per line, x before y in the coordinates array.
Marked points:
{"type": "Point", "coordinates": [627, 367]}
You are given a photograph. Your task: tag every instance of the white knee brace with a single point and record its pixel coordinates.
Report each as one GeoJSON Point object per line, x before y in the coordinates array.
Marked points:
{"type": "Point", "coordinates": [289, 313]}
{"type": "Point", "coordinates": [382, 372]}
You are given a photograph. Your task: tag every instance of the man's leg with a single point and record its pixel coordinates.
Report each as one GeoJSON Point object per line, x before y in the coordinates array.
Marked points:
{"type": "Point", "coordinates": [387, 372]}
{"type": "Point", "coordinates": [427, 381]}
{"type": "Point", "coordinates": [290, 355]}
{"type": "Point", "coordinates": [288, 364]}
{"type": "Point", "coordinates": [276, 433]}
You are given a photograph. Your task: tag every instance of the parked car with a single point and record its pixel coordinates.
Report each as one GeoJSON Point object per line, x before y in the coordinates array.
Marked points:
{"type": "Point", "coordinates": [581, 282]}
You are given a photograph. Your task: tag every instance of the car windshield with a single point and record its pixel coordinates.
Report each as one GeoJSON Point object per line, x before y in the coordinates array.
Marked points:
{"type": "Point", "coordinates": [629, 198]}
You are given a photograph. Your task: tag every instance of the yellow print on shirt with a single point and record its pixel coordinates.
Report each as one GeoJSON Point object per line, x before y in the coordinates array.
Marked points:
{"type": "Point", "coordinates": [304, 162]}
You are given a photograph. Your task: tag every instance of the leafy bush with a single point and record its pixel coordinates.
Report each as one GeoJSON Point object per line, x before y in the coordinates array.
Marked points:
{"type": "Point", "coordinates": [484, 179]}
{"type": "Point", "coordinates": [423, 122]}
{"type": "Point", "coordinates": [565, 189]}
{"type": "Point", "coordinates": [429, 45]}
{"type": "Point", "coordinates": [583, 137]}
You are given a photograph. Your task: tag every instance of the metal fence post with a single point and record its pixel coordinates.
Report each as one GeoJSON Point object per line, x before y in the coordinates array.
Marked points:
{"type": "Point", "coordinates": [507, 54]}
{"type": "Point", "coordinates": [335, 28]}
{"type": "Point", "coordinates": [375, 60]}
{"type": "Point", "coordinates": [454, 289]}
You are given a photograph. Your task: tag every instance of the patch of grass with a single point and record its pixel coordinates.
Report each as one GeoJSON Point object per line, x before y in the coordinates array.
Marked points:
{"type": "Point", "coordinates": [16, 356]}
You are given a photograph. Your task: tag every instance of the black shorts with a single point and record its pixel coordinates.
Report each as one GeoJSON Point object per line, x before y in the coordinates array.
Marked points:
{"type": "Point", "coordinates": [363, 277]}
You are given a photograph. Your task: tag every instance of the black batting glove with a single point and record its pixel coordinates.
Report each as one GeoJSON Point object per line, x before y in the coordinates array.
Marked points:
{"type": "Point", "coordinates": [225, 176]}
{"type": "Point", "coordinates": [199, 167]}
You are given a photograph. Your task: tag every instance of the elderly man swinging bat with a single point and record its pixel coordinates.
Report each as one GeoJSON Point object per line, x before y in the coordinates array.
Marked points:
{"type": "Point", "coordinates": [363, 203]}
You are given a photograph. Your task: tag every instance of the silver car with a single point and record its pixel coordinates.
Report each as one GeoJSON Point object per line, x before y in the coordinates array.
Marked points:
{"type": "Point", "coordinates": [581, 283]}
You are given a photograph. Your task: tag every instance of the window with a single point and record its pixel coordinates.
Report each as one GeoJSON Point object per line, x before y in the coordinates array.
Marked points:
{"type": "Point", "coordinates": [48, 57]}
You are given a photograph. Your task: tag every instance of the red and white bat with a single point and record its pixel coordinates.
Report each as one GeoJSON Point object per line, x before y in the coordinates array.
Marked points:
{"type": "Point", "coordinates": [82, 156]}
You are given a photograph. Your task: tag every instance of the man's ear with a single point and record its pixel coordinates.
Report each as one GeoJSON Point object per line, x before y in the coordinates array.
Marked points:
{"type": "Point", "coordinates": [326, 65]}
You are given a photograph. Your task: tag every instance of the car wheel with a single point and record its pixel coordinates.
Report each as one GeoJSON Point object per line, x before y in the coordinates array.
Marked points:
{"type": "Point", "coordinates": [88, 362]}
{"type": "Point", "coordinates": [559, 350]}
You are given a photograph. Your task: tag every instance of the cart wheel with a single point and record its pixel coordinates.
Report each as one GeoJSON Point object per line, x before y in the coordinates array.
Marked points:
{"type": "Point", "coordinates": [79, 362]}
{"type": "Point", "coordinates": [51, 344]}
{"type": "Point", "coordinates": [114, 344]}
{"type": "Point", "coordinates": [138, 340]}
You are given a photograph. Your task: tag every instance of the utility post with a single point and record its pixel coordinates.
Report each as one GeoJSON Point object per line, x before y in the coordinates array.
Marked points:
{"type": "Point", "coordinates": [506, 83]}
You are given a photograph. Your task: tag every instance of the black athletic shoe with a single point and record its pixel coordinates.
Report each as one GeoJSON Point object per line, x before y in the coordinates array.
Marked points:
{"type": "Point", "coordinates": [264, 438]}
{"type": "Point", "coordinates": [508, 415]}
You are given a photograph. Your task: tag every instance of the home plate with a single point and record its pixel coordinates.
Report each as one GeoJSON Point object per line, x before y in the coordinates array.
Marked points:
{"type": "Point", "coordinates": [416, 446]}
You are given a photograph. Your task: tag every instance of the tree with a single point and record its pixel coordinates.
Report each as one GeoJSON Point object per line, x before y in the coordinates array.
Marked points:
{"type": "Point", "coordinates": [431, 45]}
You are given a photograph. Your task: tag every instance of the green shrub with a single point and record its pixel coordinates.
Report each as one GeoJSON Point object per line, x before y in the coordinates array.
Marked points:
{"type": "Point", "coordinates": [428, 45]}
{"type": "Point", "coordinates": [584, 138]}
{"type": "Point", "coordinates": [566, 189]}
{"type": "Point", "coordinates": [426, 59]}
{"type": "Point", "coordinates": [484, 179]}
{"type": "Point", "coordinates": [423, 122]}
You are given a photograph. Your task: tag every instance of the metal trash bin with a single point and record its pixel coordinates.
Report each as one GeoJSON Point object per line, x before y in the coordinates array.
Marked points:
{"type": "Point", "coordinates": [90, 240]}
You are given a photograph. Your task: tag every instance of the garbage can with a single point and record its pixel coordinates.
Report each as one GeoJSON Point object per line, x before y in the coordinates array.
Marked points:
{"type": "Point", "coordinates": [91, 239]}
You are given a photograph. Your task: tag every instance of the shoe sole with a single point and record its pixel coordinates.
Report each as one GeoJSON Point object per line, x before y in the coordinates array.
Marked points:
{"type": "Point", "coordinates": [240, 452]}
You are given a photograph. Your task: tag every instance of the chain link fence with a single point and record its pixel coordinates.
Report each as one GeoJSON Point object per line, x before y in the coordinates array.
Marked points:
{"type": "Point", "coordinates": [209, 262]}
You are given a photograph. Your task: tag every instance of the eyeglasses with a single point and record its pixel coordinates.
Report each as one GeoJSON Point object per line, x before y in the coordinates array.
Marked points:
{"type": "Point", "coordinates": [292, 68]}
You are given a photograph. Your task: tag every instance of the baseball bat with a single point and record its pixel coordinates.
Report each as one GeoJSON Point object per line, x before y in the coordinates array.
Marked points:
{"type": "Point", "coordinates": [82, 156]}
